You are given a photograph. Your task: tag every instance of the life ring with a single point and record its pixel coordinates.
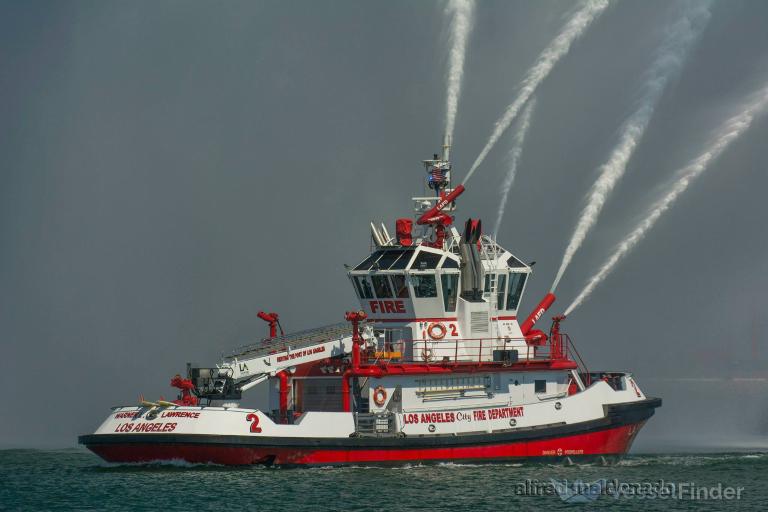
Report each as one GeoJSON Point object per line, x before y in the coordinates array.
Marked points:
{"type": "Point", "coordinates": [436, 331]}
{"type": "Point", "coordinates": [379, 396]}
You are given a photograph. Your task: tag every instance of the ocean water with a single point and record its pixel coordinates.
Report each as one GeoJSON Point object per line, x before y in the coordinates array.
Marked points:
{"type": "Point", "coordinates": [74, 479]}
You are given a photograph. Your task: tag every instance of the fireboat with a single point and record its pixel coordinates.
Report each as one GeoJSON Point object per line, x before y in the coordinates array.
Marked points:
{"type": "Point", "coordinates": [434, 366]}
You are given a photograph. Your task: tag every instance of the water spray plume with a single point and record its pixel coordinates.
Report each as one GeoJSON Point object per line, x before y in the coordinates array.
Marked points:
{"type": "Point", "coordinates": [460, 15]}
{"type": "Point", "coordinates": [723, 137]}
{"type": "Point", "coordinates": [514, 158]}
{"type": "Point", "coordinates": [666, 65]}
{"type": "Point", "coordinates": [588, 11]}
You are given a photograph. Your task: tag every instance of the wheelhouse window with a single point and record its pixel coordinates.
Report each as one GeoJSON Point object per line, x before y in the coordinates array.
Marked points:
{"type": "Point", "coordinates": [450, 284]}
{"type": "Point", "coordinates": [540, 386]}
{"type": "Point", "coordinates": [450, 263]}
{"type": "Point", "coordinates": [400, 286]}
{"type": "Point", "coordinates": [369, 261]}
{"type": "Point", "coordinates": [513, 262]}
{"type": "Point", "coordinates": [426, 260]}
{"type": "Point", "coordinates": [387, 259]}
{"type": "Point", "coordinates": [501, 282]}
{"type": "Point", "coordinates": [363, 287]}
{"type": "Point", "coordinates": [402, 261]}
{"type": "Point", "coordinates": [424, 286]}
{"type": "Point", "coordinates": [381, 286]}
{"type": "Point", "coordinates": [394, 259]}
{"type": "Point", "coordinates": [516, 284]}
{"type": "Point", "coordinates": [496, 283]}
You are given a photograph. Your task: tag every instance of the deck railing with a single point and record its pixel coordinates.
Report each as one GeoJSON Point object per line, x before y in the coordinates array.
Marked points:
{"type": "Point", "coordinates": [471, 350]}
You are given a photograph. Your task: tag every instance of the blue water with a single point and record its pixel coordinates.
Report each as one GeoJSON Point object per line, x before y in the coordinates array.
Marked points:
{"type": "Point", "coordinates": [75, 479]}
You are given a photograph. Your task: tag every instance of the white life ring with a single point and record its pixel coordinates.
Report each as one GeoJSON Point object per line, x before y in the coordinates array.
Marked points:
{"type": "Point", "coordinates": [379, 396]}
{"type": "Point", "coordinates": [437, 331]}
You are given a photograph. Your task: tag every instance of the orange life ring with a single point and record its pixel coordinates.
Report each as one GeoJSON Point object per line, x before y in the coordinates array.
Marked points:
{"type": "Point", "coordinates": [379, 396]}
{"type": "Point", "coordinates": [441, 331]}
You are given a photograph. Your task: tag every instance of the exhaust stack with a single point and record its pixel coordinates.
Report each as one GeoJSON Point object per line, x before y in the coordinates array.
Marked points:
{"type": "Point", "coordinates": [471, 266]}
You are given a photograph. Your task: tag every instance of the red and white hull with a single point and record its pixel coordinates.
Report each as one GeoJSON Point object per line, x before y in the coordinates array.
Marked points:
{"type": "Point", "coordinates": [609, 437]}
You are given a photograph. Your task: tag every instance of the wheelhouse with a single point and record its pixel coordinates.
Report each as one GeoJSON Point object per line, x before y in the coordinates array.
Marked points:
{"type": "Point", "coordinates": [424, 282]}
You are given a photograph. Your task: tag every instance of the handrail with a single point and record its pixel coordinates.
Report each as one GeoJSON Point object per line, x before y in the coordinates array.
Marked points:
{"type": "Point", "coordinates": [296, 339]}
{"type": "Point", "coordinates": [460, 350]}
{"type": "Point", "coordinates": [579, 361]}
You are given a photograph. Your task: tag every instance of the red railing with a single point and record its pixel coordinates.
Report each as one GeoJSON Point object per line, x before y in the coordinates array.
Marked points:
{"type": "Point", "coordinates": [470, 350]}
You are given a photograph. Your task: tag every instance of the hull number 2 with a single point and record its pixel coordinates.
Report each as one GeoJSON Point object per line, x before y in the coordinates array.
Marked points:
{"type": "Point", "coordinates": [254, 419]}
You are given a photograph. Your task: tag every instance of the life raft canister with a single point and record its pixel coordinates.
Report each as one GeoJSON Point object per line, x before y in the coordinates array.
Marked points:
{"type": "Point", "coordinates": [379, 396]}
{"type": "Point", "coordinates": [436, 331]}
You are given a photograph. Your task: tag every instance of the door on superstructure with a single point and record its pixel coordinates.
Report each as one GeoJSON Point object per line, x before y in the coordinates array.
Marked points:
{"type": "Point", "coordinates": [517, 388]}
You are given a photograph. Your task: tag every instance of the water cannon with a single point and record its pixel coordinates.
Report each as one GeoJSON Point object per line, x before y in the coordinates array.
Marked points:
{"type": "Point", "coordinates": [554, 331]}
{"type": "Point", "coordinates": [355, 316]}
{"type": "Point", "coordinates": [537, 313]}
{"type": "Point", "coordinates": [273, 319]}
{"type": "Point", "coordinates": [435, 215]}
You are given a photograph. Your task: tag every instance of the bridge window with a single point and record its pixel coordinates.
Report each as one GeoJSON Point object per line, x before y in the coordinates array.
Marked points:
{"type": "Point", "coordinates": [387, 259]}
{"type": "Point", "coordinates": [368, 262]}
{"type": "Point", "coordinates": [424, 286]}
{"type": "Point", "coordinates": [381, 285]}
{"type": "Point", "coordinates": [540, 386]}
{"type": "Point", "coordinates": [400, 286]}
{"type": "Point", "coordinates": [364, 289]}
{"type": "Point", "coordinates": [500, 289]}
{"type": "Point", "coordinates": [495, 283]}
{"type": "Point", "coordinates": [450, 263]}
{"type": "Point", "coordinates": [516, 283]}
{"type": "Point", "coordinates": [402, 261]}
{"type": "Point", "coordinates": [450, 284]}
{"type": "Point", "coordinates": [515, 263]}
{"type": "Point", "coordinates": [426, 260]}
{"type": "Point", "coordinates": [392, 259]}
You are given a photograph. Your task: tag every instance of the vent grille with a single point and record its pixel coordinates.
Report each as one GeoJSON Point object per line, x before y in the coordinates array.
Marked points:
{"type": "Point", "coordinates": [478, 321]}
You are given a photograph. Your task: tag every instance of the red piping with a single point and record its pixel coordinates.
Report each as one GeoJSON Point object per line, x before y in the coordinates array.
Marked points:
{"type": "Point", "coordinates": [283, 376]}
{"type": "Point", "coordinates": [355, 317]}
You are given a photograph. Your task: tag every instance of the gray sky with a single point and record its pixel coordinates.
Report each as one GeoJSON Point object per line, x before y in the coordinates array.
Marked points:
{"type": "Point", "coordinates": [167, 169]}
